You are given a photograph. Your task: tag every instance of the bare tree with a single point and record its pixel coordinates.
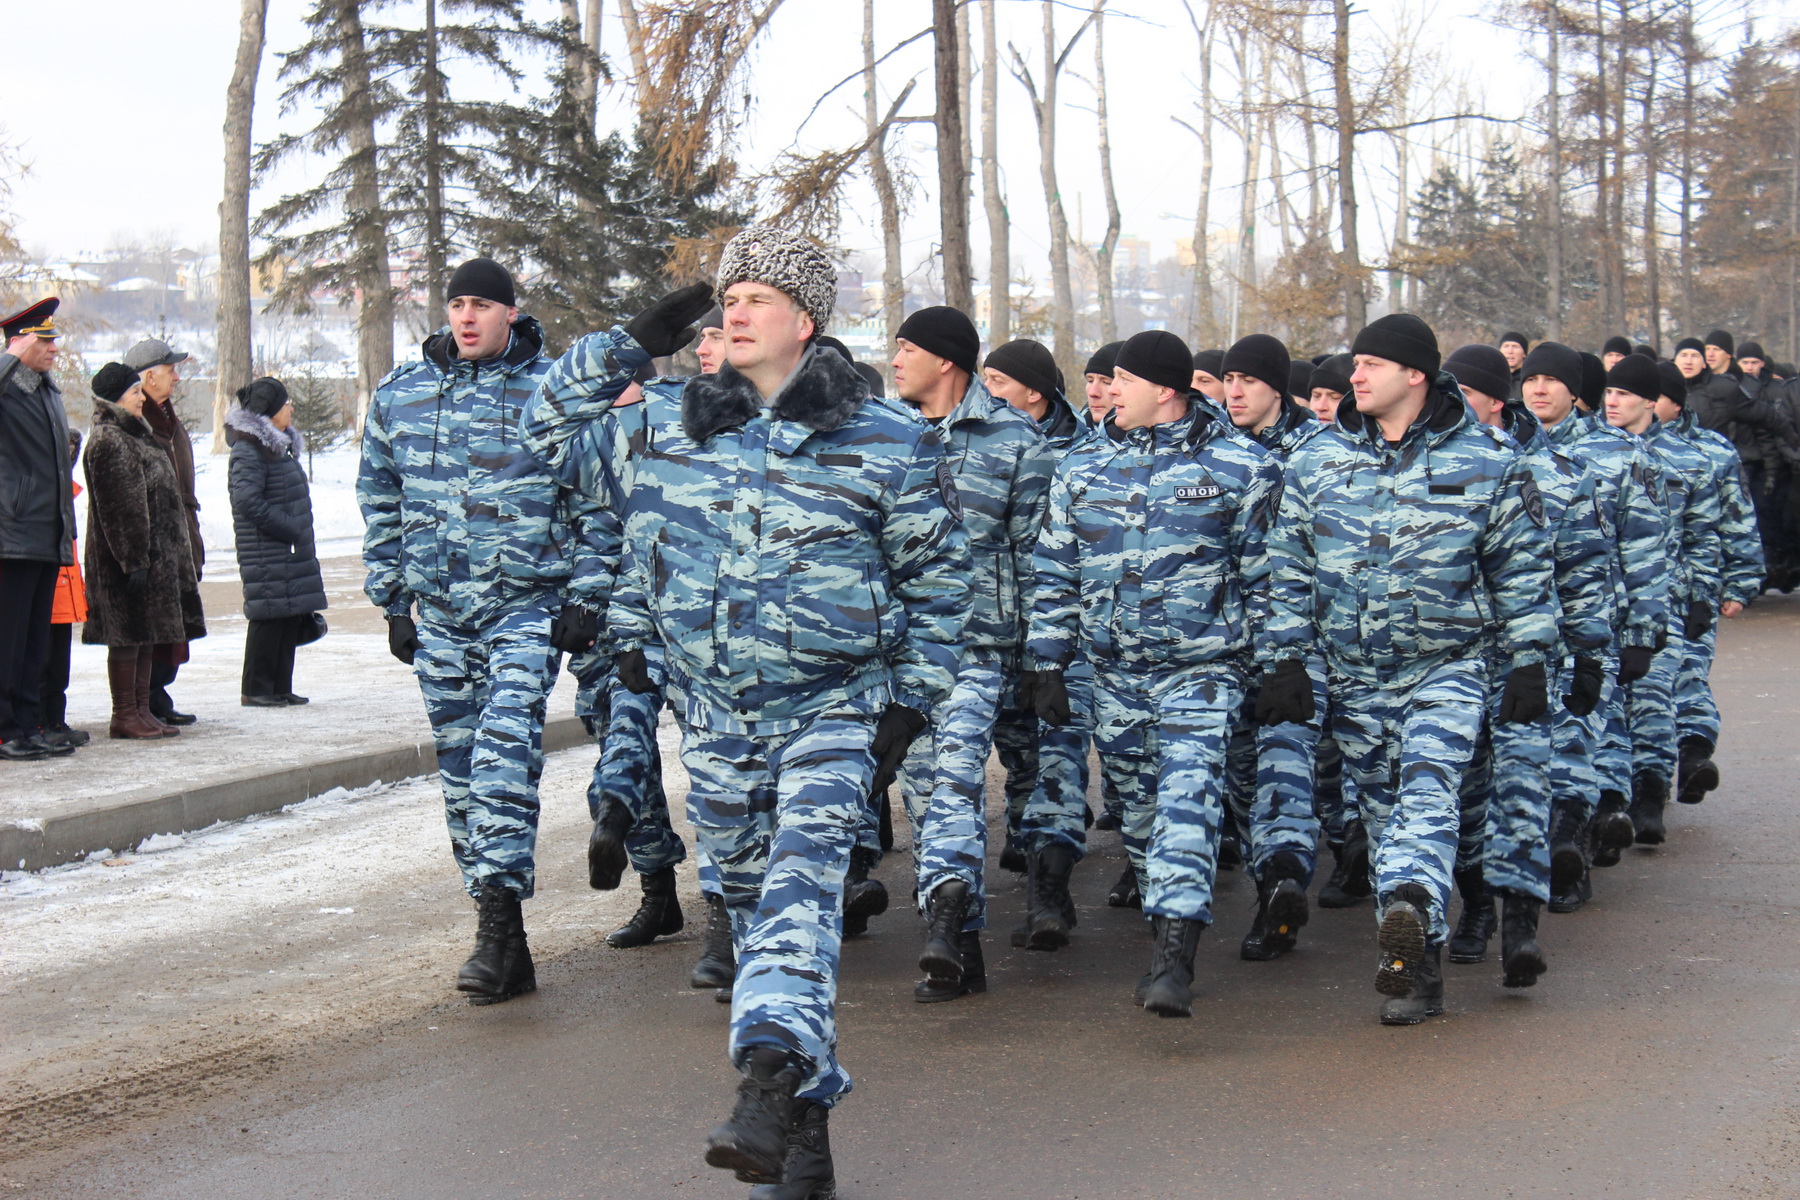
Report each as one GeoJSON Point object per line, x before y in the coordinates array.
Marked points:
{"type": "Point", "coordinates": [893, 290]}
{"type": "Point", "coordinates": [1356, 312]}
{"type": "Point", "coordinates": [1102, 254]}
{"type": "Point", "coordinates": [1554, 251]}
{"type": "Point", "coordinates": [998, 222]}
{"type": "Point", "coordinates": [953, 181]}
{"type": "Point", "coordinates": [234, 218]}
{"type": "Point", "coordinates": [1203, 322]}
{"type": "Point", "coordinates": [375, 310]}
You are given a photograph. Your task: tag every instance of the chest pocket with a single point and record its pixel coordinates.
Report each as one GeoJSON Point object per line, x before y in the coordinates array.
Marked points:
{"type": "Point", "coordinates": [1450, 605]}
{"type": "Point", "coordinates": [1190, 586]}
{"type": "Point", "coordinates": [838, 617]}
{"type": "Point", "coordinates": [684, 585]}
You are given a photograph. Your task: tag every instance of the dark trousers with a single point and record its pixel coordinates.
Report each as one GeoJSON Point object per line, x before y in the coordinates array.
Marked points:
{"type": "Point", "coordinates": [53, 692]}
{"type": "Point", "coordinates": [26, 590]}
{"type": "Point", "coordinates": [165, 661]}
{"type": "Point", "coordinates": [269, 656]}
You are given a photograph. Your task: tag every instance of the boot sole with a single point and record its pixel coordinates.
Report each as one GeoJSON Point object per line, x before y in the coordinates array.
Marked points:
{"type": "Point", "coordinates": [1158, 1001]}
{"type": "Point", "coordinates": [712, 978]}
{"type": "Point", "coordinates": [1051, 934]}
{"type": "Point", "coordinates": [870, 902]}
{"type": "Point", "coordinates": [729, 1156]}
{"type": "Point", "coordinates": [1565, 866]}
{"type": "Point", "coordinates": [943, 969]}
{"type": "Point", "coordinates": [1703, 780]}
{"type": "Point", "coordinates": [923, 993]}
{"type": "Point", "coordinates": [1402, 942]}
{"type": "Point", "coordinates": [482, 999]}
{"type": "Point", "coordinates": [1651, 837]}
{"type": "Point", "coordinates": [1286, 917]}
{"type": "Point", "coordinates": [1524, 966]}
{"type": "Point", "coordinates": [607, 861]}
{"type": "Point", "coordinates": [631, 941]}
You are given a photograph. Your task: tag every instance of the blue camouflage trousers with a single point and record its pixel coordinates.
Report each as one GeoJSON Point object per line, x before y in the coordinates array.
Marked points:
{"type": "Point", "coordinates": [1125, 738]}
{"type": "Point", "coordinates": [1194, 713]}
{"type": "Point", "coordinates": [1054, 810]}
{"type": "Point", "coordinates": [1640, 724]}
{"type": "Point", "coordinates": [628, 772]}
{"type": "Point", "coordinates": [1016, 742]}
{"type": "Point", "coordinates": [1284, 816]}
{"type": "Point", "coordinates": [777, 815]}
{"type": "Point", "coordinates": [1504, 819]}
{"type": "Point", "coordinates": [946, 796]}
{"type": "Point", "coordinates": [1696, 712]}
{"type": "Point", "coordinates": [485, 688]}
{"type": "Point", "coordinates": [1405, 750]}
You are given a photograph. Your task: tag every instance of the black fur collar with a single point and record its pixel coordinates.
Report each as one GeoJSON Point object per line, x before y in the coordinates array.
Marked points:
{"type": "Point", "coordinates": [824, 394]}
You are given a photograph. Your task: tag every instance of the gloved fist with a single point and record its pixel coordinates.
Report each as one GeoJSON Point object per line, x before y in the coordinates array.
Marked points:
{"type": "Point", "coordinates": [662, 329]}
{"type": "Point", "coordinates": [403, 638]}
{"type": "Point", "coordinates": [634, 673]}
{"type": "Point", "coordinates": [137, 585]}
{"type": "Point", "coordinates": [574, 629]}
{"type": "Point", "coordinates": [1285, 695]}
{"type": "Point", "coordinates": [894, 734]}
{"type": "Point", "coordinates": [1043, 693]}
{"type": "Point", "coordinates": [1526, 698]}
{"type": "Point", "coordinates": [1584, 689]}
{"type": "Point", "coordinates": [1699, 620]}
{"type": "Point", "coordinates": [1634, 663]}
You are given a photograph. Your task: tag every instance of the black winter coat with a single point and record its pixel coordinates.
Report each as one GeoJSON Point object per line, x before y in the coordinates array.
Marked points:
{"type": "Point", "coordinates": [271, 509]}
{"type": "Point", "coordinates": [137, 520]}
{"type": "Point", "coordinates": [37, 503]}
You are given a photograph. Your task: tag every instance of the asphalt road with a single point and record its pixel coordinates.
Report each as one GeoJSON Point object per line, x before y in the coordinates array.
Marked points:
{"type": "Point", "coordinates": [1656, 1059]}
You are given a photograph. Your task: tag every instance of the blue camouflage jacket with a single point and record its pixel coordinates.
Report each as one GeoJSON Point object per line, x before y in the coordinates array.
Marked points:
{"type": "Point", "coordinates": [1154, 553]}
{"type": "Point", "coordinates": [1628, 482]}
{"type": "Point", "coordinates": [457, 515]}
{"type": "Point", "coordinates": [1587, 588]}
{"type": "Point", "coordinates": [1000, 465]}
{"type": "Point", "coordinates": [1695, 509]}
{"type": "Point", "coordinates": [786, 559]}
{"type": "Point", "coordinates": [1740, 544]}
{"type": "Point", "coordinates": [1391, 559]}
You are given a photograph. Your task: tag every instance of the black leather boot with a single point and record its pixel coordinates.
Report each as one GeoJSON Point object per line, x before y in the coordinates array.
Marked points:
{"type": "Point", "coordinates": [1349, 883]}
{"type": "Point", "coordinates": [1126, 893]}
{"type": "Point", "coordinates": [1050, 914]}
{"type": "Point", "coordinates": [1280, 910]}
{"type": "Point", "coordinates": [863, 897]}
{"type": "Point", "coordinates": [1425, 998]}
{"type": "Point", "coordinates": [753, 1141]}
{"type": "Point", "coordinates": [808, 1171]}
{"type": "Point", "coordinates": [1012, 855]}
{"type": "Point", "coordinates": [1169, 991]}
{"type": "Point", "coordinates": [606, 847]}
{"type": "Point", "coordinates": [974, 973]}
{"type": "Point", "coordinates": [941, 959]}
{"type": "Point", "coordinates": [1107, 821]}
{"type": "Point", "coordinates": [717, 965]}
{"type": "Point", "coordinates": [1402, 939]}
{"type": "Point", "coordinates": [1520, 954]}
{"type": "Point", "coordinates": [658, 916]}
{"type": "Point", "coordinates": [1698, 773]}
{"type": "Point", "coordinates": [500, 967]}
{"type": "Point", "coordinates": [1611, 830]}
{"type": "Point", "coordinates": [1567, 862]}
{"type": "Point", "coordinates": [1649, 795]}
{"type": "Point", "coordinates": [1469, 943]}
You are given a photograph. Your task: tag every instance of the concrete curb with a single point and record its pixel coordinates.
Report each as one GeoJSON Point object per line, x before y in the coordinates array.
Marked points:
{"type": "Point", "coordinates": [122, 822]}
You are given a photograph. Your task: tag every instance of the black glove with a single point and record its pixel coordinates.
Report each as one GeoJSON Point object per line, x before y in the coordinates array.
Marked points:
{"type": "Point", "coordinates": [662, 329]}
{"type": "Point", "coordinates": [894, 734]}
{"type": "Point", "coordinates": [1044, 694]}
{"type": "Point", "coordinates": [1526, 697]}
{"type": "Point", "coordinates": [137, 585]}
{"type": "Point", "coordinates": [1634, 663]}
{"type": "Point", "coordinates": [634, 673]}
{"type": "Point", "coordinates": [1286, 695]}
{"type": "Point", "coordinates": [403, 638]}
{"type": "Point", "coordinates": [574, 629]}
{"type": "Point", "coordinates": [1699, 620]}
{"type": "Point", "coordinates": [1584, 690]}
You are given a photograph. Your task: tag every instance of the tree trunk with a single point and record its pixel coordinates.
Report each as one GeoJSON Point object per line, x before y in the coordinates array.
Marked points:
{"type": "Point", "coordinates": [375, 310]}
{"type": "Point", "coordinates": [1205, 318]}
{"type": "Point", "coordinates": [435, 251]}
{"type": "Point", "coordinates": [1618, 198]}
{"type": "Point", "coordinates": [999, 224]}
{"type": "Point", "coordinates": [893, 290]}
{"type": "Point", "coordinates": [1554, 256]}
{"type": "Point", "coordinates": [590, 79]}
{"type": "Point", "coordinates": [234, 353]}
{"type": "Point", "coordinates": [1109, 242]}
{"type": "Point", "coordinates": [1652, 251]}
{"type": "Point", "coordinates": [1356, 312]}
{"type": "Point", "coordinates": [634, 48]}
{"type": "Point", "coordinates": [953, 188]}
{"type": "Point", "coordinates": [1686, 249]}
{"type": "Point", "coordinates": [1246, 257]}
{"type": "Point", "coordinates": [965, 77]}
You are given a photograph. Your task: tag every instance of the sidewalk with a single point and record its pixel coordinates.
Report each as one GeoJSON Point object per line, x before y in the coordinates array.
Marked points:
{"type": "Point", "coordinates": [366, 724]}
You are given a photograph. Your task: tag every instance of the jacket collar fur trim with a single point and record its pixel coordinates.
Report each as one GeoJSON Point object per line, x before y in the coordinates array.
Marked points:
{"type": "Point", "coordinates": [824, 392]}
{"type": "Point", "coordinates": [258, 428]}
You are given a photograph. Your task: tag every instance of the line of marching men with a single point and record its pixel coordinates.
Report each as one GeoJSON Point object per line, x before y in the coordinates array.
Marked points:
{"type": "Point", "coordinates": [1460, 640]}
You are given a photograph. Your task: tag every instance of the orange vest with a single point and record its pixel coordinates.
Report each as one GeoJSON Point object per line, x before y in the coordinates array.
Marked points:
{"type": "Point", "coordinates": [69, 604]}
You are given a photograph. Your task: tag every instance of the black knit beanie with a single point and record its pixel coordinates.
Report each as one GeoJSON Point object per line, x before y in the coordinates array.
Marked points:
{"type": "Point", "coordinates": [1557, 361]}
{"type": "Point", "coordinates": [1401, 338]}
{"type": "Point", "coordinates": [1524, 342]}
{"type": "Point", "coordinates": [1482, 368]}
{"type": "Point", "coordinates": [112, 381]}
{"type": "Point", "coordinates": [1159, 357]}
{"type": "Point", "coordinates": [946, 332]}
{"type": "Point", "coordinates": [1638, 375]}
{"type": "Point", "coordinates": [872, 377]}
{"type": "Point", "coordinates": [1210, 361]}
{"type": "Point", "coordinates": [265, 396]}
{"type": "Point", "coordinates": [825, 341]}
{"type": "Point", "coordinates": [484, 279]}
{"type": "Point", "coordinates": [1752, 350]}
{"type": "Point", "coordinates": [714, 319]}
{"type": "Point", "coordinates": [1722, 340]}
{"type": "Point", "coordinates": [1333, 374]}
{"type": "Point", "coordinates": [1690, 344]}
{"type": "Point", "coordinates": [1616, 345]}
{"type": "Point", "coordinates": [1101, 361]}
{"type": "Point", "coordinates": [1671, 382]}
{"type": "Point", "coordinates": [1029, 362]}
{"type": "Point", "coordinates": [1646, 349]}
{"type": "Point", "coordinates": [1593, 381]}
{"type": "Point", "coordinates": [1300, 377]}
{"type": "Point", "coordinates": [1260, 357]}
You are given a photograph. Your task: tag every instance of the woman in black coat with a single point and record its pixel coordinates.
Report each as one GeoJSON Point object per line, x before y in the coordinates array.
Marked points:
{"type": "Point", "coordinates": [142, 588]}
{"type": "Point", "coordinates": [271, 509]}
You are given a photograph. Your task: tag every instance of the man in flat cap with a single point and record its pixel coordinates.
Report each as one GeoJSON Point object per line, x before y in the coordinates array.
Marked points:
{"type": "Point", "coordinates": [155, 362]}
{"type": "Point", "coordinates": [37, 520]}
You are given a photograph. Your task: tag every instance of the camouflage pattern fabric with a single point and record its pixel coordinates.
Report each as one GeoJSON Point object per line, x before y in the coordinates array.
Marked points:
{"type": "Point", "coordinates": [628, 772]}
{"type": "Point", "coordinates": [950, 836]}
{"type": "Point", "coordinates": [1632, 496]}
{"type": "Point", "coordinates": [1193, 722]}
{"type": "Point", "coordinates": [1016, 738]}
{"type": "Point", "coordinates": [1054, 811]}
{"type": "Point", "coordinates": [1696, 711]}
{"type": "Point", "coordinates": [1505, 796]}
{"type": "Point", "coordinates": [1284, 817]}
{"type": "Point", "coordinates": [1696, 511]}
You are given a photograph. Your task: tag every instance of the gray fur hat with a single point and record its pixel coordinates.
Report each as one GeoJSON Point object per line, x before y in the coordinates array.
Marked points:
{"type": "Point", "coordinates": [786, 262]}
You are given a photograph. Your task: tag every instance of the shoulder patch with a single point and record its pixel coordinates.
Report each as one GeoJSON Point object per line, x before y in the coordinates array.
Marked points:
{"type": "Point", "coordinates": [1534, 502]}
{"type": "Point", "coordinates": [947, 489]}
{"type": "Point", "coordinates": [1199, 491]}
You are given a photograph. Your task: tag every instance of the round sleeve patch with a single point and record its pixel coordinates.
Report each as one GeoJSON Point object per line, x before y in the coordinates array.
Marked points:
{"type": "Point", "coordinates": [1534, 502]}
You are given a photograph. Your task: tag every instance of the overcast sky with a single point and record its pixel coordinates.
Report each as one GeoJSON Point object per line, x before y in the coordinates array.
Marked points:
{"type": "Point", "coordinates": [126, 103]}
